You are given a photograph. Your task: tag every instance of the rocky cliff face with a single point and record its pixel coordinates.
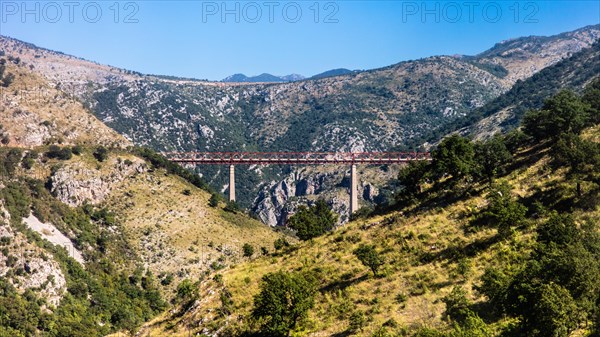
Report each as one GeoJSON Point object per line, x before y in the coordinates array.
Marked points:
{"type": "Point", "coordinates": [75, 184]}
{"type": "Point", "coordinates": [27, 266]}
{"type": "Point", "coordinates": [277, 201]}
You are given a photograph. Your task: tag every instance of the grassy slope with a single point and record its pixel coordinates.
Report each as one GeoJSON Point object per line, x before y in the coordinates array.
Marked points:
{"type": "Point", "coordinates": [169, 231]}
{"type": "Point", "coordinates": [427, 250]}
{"type": "Point", "coordinates": [173, 231]}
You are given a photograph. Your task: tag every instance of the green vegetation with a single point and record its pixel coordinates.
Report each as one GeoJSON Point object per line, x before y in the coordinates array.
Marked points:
{"type": "Point", "coordinates": [556, 289]}
{"type": "Point", "coordinates": [10, 161]}
{"type": "Point", "coordinates": [503, 210]}
{"type": "Point", "coordinates": [490, 156]}
{"type": "Point", "coordinates": [573, 72]}
{"type": "Point", "coordinates": [521, 208]}
{"type": "Point", "coordinates": [248, 250]}
{"type": "Point", "coordinates": [6, 78]}
{"type": "Point", "coordinates": [280, 244]}
{"type": "Point", "coordinates": [455, 156]}
{"type": "Point", "coordinates": [101, 153]}
{"type": "Point", "coordinates": [159, 161]}
{"type": "Point", "coordinates": [283, 302]}
{"type": "Point", "coordinates": [55, 151]}
{"type": "Point", "coordinates": [580, 156]}
{"type": "Point", "coordinates": [310, 222]}
{"type": "Point", "coordinates": [231, 207]}
{"type": "Point", "coordinates": [435, 100]}
{"type": "Point", "coordinates": [562, 114]}
{"type": "Point", "coordinates": [492, 68]}
{"type": "Point", "coordinates": [187, 292]}
{"type": "Point", "coordinates": [413, 176]}
{"type": "Point", "coordinates": [29, 160]}
{"type": "Point", "coordinates": [214, 200]}
{"type": "Point", "coordinates": [369, 256]}
{"type": "Point", "coordinates": [491, 238]}
{"type": "Point", "coordinates": [110, 290]}
{"type": "Point", "coordinates": [77, 150]}
{"type": "Point", "coordinates": [560, 122]}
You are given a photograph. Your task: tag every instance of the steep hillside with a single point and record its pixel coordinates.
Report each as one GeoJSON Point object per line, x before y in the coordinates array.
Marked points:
{"type": "Point", "coordinates": [366, 111]}
{"type": "Point", "coordinates": [574, 73]}
{"type": "Point", "coordinates": [506, 111]}
{"type": "Point", "coordinates": [105, 234]}
{"type": "Point", "coordinates": [169, 222]}
{"type": "Point", "coordinates": [459, 256]}
{"type": "Point", "coordinates": [34, 111]}
{"type": "Point", "coordinates": [537, 52]}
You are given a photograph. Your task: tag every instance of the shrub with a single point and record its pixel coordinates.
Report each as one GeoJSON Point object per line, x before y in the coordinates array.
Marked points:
{"type": "Point", "coordinates": [503, 210]}
{"type": "Point", "coordinates": [57, 152]}
{"type": "Point", "coordinates": [218, 278]}
{"type": "Point", "coordinates": [494, 285]}
{"type": "Point", "coordinates": [248, 250]}
{"type": "Point", "coordinates": [413, 176]}
{"type": "Point", "coordinates": [168, 279]}
{"type": "Point", "coordinates": [231, 207]}
{"type": "Point", "coordinates": [357, 321]}
{"type": "Point", "coordinates": [559, 229]}
{"type": "Point", "coordinates": [562, 113]}
{"type": "Point", "coordinates": [226, 303]}
{"type": "Point", "coordinates": [214, 200]}
{"type": "Point", "coordinates": [77, 150]}
{"type": "Point", "coordinates": [554, 312]}
{"type": "Point", "coordinates": [362, 212]}
{"type": "Point", "coordinates": [186, 290]}
{"type": "Point", "coordinates": [401, 298]}
{"type": "Point", "coordinates": [472, 326]}
{"type": "Point", "coordinates": [27, 163]}
{"type": "Point", "coordinates": [369, 257]}
{"type": "Point", "coordinates": [580, 156]}
{"type": "Point", "coordinates": [313, 221]}
{"type": "Point", "coordinates": [280, 243]}
{"type": "Point", "coordinates": [12, 160]}
{"type": "Point", "coordinates": [457, 305]}
{"type": "Point", "coordinates": [283, 301]}
{"type": "Point", "coordinates": [454, 156]}
{"type": "Point", "coordinates": [490, 156]}
{"type": "Point", "coordinates": [101, 154]}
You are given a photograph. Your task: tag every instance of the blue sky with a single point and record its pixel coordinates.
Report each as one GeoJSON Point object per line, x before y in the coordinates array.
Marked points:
{"type": "Point", "coordinates": [214, 39]}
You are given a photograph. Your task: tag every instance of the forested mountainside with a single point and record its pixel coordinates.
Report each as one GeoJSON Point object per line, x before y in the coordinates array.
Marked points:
{"type": "Point", "coordinates": [364, 111]}
{"type": "Point", "coordinates": [505, 112]}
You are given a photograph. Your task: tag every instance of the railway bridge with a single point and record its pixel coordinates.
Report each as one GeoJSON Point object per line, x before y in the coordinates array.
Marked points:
{"type": "Point", "coordinates": [296, 158]}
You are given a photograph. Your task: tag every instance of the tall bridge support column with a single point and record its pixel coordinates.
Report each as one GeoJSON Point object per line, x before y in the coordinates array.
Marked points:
{"type": "Point", "coordinates": [231, 183]}
{"type": "Point", "coordinates": [353, 190]}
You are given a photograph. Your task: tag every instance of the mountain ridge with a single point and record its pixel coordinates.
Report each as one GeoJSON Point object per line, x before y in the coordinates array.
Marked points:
{"type": "Point", "coordinates": [372, 110]}
{"type": "Point", "coordinates": [263, 78]}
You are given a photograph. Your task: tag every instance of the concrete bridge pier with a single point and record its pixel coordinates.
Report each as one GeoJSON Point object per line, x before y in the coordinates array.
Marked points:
{"type": "Point", "coordinates": [353, 189]}
{"type": "Point", "coordinates": [231, 183]}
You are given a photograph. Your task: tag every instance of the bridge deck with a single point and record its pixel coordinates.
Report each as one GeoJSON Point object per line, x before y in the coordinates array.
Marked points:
{"type": "Point", "coordinates": [306, 158]}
